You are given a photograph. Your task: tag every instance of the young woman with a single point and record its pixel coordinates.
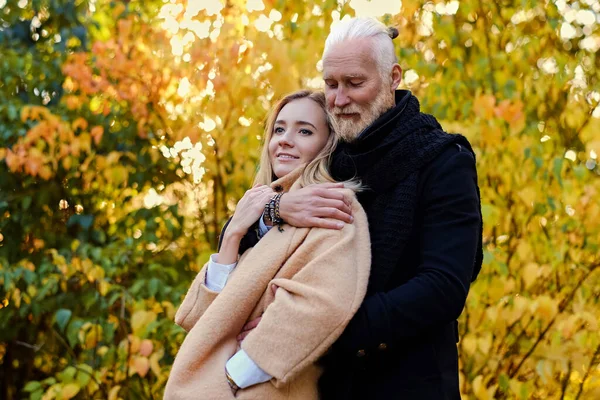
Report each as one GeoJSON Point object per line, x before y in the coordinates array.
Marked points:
{"type": "Point", "coordinates": [306, 284]}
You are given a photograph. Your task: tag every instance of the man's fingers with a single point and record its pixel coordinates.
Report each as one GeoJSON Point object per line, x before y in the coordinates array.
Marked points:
{"type": "Point", "coordinates": [339, 204]}
{"type": "Point", "coordinates": [334, 213]}
{"type": "Point", "coordinates": [324, 223]}
{"type": "Point", "coordinates": [332, 194]}
{"type": "Point", "coordinates": [329, 185]}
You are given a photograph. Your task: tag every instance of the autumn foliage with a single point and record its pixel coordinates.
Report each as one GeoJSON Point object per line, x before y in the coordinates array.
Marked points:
{"type": "Point", "coordinates": [128, 130]}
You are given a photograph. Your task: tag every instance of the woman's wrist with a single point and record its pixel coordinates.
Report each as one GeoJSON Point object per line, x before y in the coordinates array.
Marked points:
{"type": "Point", "coordinates": [233, 233]}
{"type": "Point", "coordinates": [230, 246]}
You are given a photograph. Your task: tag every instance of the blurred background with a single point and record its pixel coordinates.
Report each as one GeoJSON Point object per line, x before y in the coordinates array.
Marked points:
{"type": "Point", "coordinates": [129, 130]}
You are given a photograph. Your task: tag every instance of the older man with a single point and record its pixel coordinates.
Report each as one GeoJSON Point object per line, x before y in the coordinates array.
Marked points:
{"type": "Point", "coordinates": [423, 206]}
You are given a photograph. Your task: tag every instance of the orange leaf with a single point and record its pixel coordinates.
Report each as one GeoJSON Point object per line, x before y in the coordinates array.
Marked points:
{"type": "Point", "coordinates": [97, 133]}
{"type": "Point", "coordinates": [79, 123]}
{"type": "Point", "coordinates": [141, 365]}
{"type": "Point", "coordinates": [13, 162]}
{"type": "Point", "coordinates": [146, 347]}
{"type": "Point", "coordinates": [484, 106]}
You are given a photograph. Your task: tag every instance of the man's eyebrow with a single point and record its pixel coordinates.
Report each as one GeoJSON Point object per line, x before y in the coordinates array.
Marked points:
{"type": "Point", "coordinates": [347, 76]}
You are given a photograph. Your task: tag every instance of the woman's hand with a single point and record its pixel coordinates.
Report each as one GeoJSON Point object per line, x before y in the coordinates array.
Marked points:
{"type": "Point", "coordinates": [247, 212]}
{"type": "Point", "coordinates": [249, 209]}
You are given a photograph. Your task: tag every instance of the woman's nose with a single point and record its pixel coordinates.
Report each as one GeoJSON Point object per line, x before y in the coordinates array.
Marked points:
{"type": "Point", "coordinates": [286, 139]}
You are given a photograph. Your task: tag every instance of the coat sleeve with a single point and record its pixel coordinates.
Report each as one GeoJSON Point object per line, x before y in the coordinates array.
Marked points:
{"type": "Point", "coordinates": [198, 296]}
{"type": "Point", "coordinates": [196, 301]}
{"type": "Point", "coordinates": [311, 309]}
{"type": "Point", "coordinates": [437, 293]}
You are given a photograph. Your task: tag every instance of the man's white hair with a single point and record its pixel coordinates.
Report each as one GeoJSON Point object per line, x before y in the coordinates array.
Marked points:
{"type": "Point", "coordinates": [366, 28]}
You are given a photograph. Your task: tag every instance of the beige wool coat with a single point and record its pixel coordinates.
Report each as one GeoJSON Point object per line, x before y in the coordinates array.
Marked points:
{"type": "Point", "coordinates": [322, 277]}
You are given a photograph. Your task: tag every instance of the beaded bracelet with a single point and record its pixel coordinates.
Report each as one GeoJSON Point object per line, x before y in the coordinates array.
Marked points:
{"type": "Point", "coordinates": [272, 211]}
{"type": "Point", "coordinates": [277, 220]}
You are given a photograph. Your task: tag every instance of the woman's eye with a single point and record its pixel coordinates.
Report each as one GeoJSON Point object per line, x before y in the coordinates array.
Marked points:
{"type": "Point", "coordinates": [279, 130]}
{"type": "Point", "coordinates": [305, 132]}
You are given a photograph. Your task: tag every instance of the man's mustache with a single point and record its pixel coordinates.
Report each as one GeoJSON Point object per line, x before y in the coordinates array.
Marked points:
{"type": "Point", "coordinates": [345, 110]}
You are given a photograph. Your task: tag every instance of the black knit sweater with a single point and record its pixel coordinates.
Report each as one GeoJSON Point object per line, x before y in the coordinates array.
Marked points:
{"type": "Point", "coordinates": [386, 158]}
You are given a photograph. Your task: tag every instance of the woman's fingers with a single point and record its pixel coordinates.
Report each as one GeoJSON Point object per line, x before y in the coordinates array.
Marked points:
{"type": "Point", "coordinates": [248, 328]}
{"type": "Point", "coordinates": [252, 324]}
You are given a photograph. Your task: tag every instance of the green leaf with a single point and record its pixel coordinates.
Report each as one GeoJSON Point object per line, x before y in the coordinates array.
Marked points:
{"type": "Point", "coordinates": [85, 221]}
{"type": "Point", "coordinates": [32, 386]}
{"type": "Point", "coordinates": [557, 168]}
{"type": "Point", "coordinates": [62, 318]}
{"type": "Point", "coordinates": [68, 375]}
{"type": "Point", "coordinates": [153, 286]}
{"type": "Point", "coordinates": [84, 374]}
{"type": "Point", "coordinates": [73, 331]}
{"type": "Point", "coordinates": [26, 202]}
{"type": "Point", "coordinates": [503, 382]}
{"type": "Point", "coordinates": [37, 395]}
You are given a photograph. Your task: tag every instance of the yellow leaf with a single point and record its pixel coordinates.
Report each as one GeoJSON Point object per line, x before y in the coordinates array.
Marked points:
{"type": "Point", "coordinates": [69, 390]}
{"type": "Point", "coordinates": [490, 135]}
{"type": "Point", "coordinates": [134, 343]}
{"type": "Point", "coordinates": [469, 344]}
{"type": "Point", "coordinates": [485, 343]}
{"type": "Point", "coordinates": [114, 392]}
{"type": "Point", "coordinates": [140, 319]}
{"type": "Point", "coordinates": [530, 274]}
{"type": "Point", "coordinates": [528, 195]}
{"type": "Point", "coordinates": [66, 163]}
{"type": "Point", "coordinates": [544, 307]}
{"type": "Point", "coordinates": [154, 358]}
{"type": "Point", "coordinates": [479, 389]}
{"type": "Point", "coordinates": [103, 287]}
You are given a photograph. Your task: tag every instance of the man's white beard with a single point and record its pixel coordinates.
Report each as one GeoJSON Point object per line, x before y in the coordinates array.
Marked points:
{"type": "Point", "coordinates": [348, 129]}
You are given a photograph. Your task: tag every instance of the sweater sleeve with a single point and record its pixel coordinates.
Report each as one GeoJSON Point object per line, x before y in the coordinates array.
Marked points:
{"type": "Point", "coordinates": [436, 294]}
{"type": "Point", "coordinates": [311, 309]}
{"type": "Point", "coordinates": [196, 301]}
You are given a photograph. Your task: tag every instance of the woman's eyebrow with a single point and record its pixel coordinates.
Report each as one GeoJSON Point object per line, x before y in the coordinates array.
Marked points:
{"type": "Point", "coordinates": [306, 123]}
{"type": "Point", "coordinates": [282, 122]}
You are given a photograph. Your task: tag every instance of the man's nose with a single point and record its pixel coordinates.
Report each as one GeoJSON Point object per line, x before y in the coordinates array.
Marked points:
{"type": "Point", "coordinates": [341, 98]}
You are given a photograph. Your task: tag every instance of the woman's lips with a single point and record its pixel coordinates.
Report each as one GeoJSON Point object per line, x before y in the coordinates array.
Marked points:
{"type": "Point", "coordinates": [286, 157]}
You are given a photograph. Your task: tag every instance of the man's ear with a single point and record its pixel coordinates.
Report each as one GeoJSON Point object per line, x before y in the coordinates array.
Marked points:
{"type": "Point", "coordinates": [396, 77]}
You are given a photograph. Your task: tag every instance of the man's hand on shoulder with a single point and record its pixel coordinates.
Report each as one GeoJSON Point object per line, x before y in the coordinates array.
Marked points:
{"type": "Point", "coordinates": [317, 206]}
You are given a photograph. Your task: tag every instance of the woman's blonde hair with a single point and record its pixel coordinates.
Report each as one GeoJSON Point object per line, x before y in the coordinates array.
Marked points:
{"type": "Point", "coordinates": [316, 171]}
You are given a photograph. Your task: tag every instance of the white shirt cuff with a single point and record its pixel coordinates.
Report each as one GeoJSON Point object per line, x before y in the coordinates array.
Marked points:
{"type": "Point", "coordinates": [263, 229]}
{"type": "Point", "coordinates": [244, 371]}
{"type": "Point", "coordinates": [217, 274]}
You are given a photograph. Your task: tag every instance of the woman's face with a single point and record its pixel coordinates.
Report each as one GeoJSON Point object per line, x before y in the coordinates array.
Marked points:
{"type": "Point", "coordinates": [299, 134]}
